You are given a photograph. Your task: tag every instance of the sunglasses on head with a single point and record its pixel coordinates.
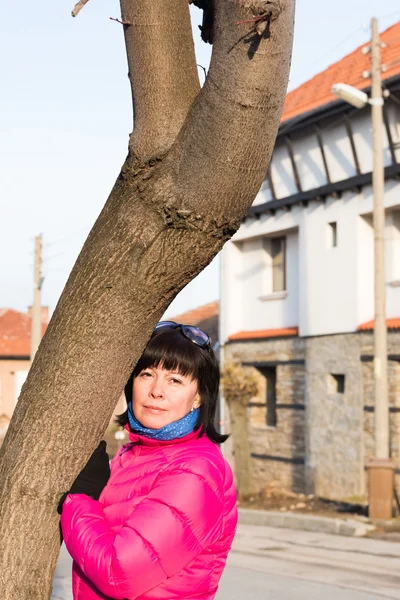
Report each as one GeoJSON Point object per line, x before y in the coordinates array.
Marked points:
{"type": "Point", "coordinates": [194, 334]}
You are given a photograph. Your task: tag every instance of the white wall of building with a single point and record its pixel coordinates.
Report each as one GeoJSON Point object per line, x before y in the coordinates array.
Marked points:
{"type": "Point", "coordinates": [329, 303]}
{"type": "Point", "coordinates": [365, 269]}
{"type": "Point", "coordinates": [308, 158]}
{"type": "Point", "coordinates": [282, 172]}
{"type": "Point", "coordinates": [329, 289]}
{"type": "Point", "coordinates": [261, 308]}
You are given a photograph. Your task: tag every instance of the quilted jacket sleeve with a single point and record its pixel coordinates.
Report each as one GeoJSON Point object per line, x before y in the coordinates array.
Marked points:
{"type": "Point", "coordinates": [181, 516]}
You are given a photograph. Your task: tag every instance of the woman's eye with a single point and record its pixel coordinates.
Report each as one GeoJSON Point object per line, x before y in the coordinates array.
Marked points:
{"type": "Point", "coordinates": [146, 374]}
{"type": "Point", "coordinates": [174, 380]}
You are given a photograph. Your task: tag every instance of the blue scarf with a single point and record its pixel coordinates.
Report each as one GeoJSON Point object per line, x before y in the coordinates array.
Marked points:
{"type": "Point", "coordinates": [172, 431]}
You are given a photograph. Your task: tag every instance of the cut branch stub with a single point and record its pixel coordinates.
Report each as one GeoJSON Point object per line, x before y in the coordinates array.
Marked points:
{"type": "Point", "coordinates": [272, 8]}
{"type": "Point", "coordinates": [78, 7]}
{"type": "Point", "coordinates": [122, 21]}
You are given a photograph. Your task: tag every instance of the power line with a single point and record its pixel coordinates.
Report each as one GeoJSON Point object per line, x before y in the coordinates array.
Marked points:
{"type": "Point", "coordinates": [344, 40]}
{"type": "Point", "coordinates": [394, 98]}
{"type": "Point", "coordinates": [333, 48]}
{"type": "Point", "coordinates": [70, 236]}
{"type": "Point", "coordinates": [397, 12]}
{"type": "Point", "coordinates": [52, 256]}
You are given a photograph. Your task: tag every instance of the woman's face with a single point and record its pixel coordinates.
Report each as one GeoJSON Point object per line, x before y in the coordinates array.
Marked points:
{"type": "Point", "coordinates": [161, 397]}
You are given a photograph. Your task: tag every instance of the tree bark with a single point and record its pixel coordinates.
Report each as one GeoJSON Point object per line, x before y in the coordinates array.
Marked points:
{"type": "Point", "coordinates": [195, 163]}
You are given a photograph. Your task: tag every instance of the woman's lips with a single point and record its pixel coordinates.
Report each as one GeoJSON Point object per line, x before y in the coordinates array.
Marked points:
{"type": "Point", "coordinates": [155, 410]}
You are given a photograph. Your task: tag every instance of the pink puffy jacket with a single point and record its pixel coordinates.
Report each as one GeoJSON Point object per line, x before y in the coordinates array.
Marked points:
{"type": "Point", "coordinates": [163, 525]}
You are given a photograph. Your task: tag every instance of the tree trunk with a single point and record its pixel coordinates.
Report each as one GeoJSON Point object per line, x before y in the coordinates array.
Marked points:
{"type": "Point", "coordinates": [195, 163]}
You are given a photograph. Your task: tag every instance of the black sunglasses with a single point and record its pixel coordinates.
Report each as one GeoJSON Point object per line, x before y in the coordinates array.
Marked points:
{"type": "Point", "coordinates": [192, 333]}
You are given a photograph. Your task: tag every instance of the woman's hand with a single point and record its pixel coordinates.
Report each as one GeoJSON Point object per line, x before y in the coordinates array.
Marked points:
{"type": "Point", "coordinates": [93, 477]}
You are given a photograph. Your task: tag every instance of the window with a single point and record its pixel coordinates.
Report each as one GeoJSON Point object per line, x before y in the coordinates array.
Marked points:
{"type": "Point", "coordinates": [336, 383]}
{"type": "Point", "coordinates": [270, 376]}
{"type": "Point", "coordinates": [278, 257]}
{"type": "Point", "coordinates": [332, 235]}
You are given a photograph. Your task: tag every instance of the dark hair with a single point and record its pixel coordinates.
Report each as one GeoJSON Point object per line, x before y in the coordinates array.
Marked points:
{"type": "Point", "coordinates": [170, 349]}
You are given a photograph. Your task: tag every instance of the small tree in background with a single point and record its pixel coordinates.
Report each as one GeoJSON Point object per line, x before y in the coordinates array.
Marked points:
{"type": "Point", "coordinates": [240, 385]}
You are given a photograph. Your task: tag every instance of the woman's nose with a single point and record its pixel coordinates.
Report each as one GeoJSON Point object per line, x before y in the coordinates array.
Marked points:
{"type": "Point", "coordinates": [157, 389]}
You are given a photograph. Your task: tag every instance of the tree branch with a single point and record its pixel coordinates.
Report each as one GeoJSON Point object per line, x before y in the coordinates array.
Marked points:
{"type": "Point", "coordinates": [162, 71]}
{"type": "Point", "coordinates": [78, 7]}
{"type": "Point", "coordinates": [238, 108]}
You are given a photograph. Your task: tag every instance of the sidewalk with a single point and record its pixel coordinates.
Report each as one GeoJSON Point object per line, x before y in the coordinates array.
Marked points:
{"type": "Point", "coordinates": [356, 564]}
{"type": "Point", "coordinates": [351, 527]}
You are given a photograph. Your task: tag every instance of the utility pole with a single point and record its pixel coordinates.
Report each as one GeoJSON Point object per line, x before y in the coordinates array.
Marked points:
{"type": "Point", "coordinates": [378, 183]}
{"type": "Point", "coordinates": [36, 332]}
{"type": "Point", "coordinates": [381, 468]}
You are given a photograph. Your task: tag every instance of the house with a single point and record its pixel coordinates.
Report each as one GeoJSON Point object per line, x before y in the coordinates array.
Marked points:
{"type": "Point", "coordinates": [15, 348]}
{"type": "Point", "coordinates": [297, 298]}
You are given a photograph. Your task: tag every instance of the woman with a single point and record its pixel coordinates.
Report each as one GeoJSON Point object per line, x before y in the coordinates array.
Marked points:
{"type": "Point", "coordinates": [160, 526]}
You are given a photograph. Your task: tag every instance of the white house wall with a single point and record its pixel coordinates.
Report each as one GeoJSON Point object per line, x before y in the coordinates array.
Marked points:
{"type": "Point", "coordinates": [262, 308]}
{"type": "Point", "coordinates": [231, 290]}
{"type": "Point", "coordinates": [329, 274]}
{"type": "Point", "coordinates": [310, 165]}
{"type": "Point", "coordinates": [393, 114]}
{"type": "Point", "coordinates": [392, 236]}
{"type": "Point", "coordinates": [282, 172]}
{"type": "Point", "coordinates": [264, 195]}
{"type": "Point", "coordinates": [329, 290]}
{"type": "Point", "coordinates": [338, 153]}
{"type": "Point", "coordinates": [362, 126]}
{"type": "Point", "coordinates": [365, 269]}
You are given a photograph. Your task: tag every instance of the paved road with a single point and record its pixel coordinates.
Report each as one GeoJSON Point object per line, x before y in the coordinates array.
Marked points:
{"type": "Point", "coordinates": [281, 564]}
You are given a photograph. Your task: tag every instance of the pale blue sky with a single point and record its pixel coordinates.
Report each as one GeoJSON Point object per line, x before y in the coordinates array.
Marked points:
{"type": "Point", "coordinates": [65, 117]}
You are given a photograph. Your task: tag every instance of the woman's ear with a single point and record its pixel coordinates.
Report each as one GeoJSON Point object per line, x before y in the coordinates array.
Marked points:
{"type": "Point", "coordinates": [197, 401]}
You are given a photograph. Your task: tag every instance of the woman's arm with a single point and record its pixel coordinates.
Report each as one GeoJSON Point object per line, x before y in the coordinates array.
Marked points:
{"type": "Point", "coordinates": [181, 516]}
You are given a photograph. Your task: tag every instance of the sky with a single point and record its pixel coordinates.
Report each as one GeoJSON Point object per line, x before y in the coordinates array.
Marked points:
{"type": "Point", "coordinates": [65, 118]}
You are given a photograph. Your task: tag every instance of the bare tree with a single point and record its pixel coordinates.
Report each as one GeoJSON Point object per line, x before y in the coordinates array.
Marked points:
{"type": "Point", "coordinates": [240, 385]}
{"type": "Point", "coordinates": [195, 163]}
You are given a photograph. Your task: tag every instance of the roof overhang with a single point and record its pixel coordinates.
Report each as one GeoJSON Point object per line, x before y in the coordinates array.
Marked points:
{"type": "Point", "coordinates": [337, 187]}
{"type": "Point", "coordinates": [326, 111]}
{"type": "Point", "coordinates": [260, 334]}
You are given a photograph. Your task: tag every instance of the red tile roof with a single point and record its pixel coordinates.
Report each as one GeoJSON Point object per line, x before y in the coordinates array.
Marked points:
{"type": "Point", "coordinates": [317, 91]}
{"type": "Point", "coordinates": [197, 315]}
{"type": "Point", "coordinates": [15, 333]}
{"type": "Point", "coordinates": [264, 333]}
{"type": "Point", "coordinates": [369, 325]}
{"type": "Point", "coordinates": [206, 317]}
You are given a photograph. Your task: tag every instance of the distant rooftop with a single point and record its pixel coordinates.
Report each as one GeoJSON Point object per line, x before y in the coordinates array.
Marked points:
{"type": "Point", "coordinates": [205, 317]}
{"type": "Point", "coordinates": [15, 332]}
{"type": "Point", "coordinates": [194, 316]}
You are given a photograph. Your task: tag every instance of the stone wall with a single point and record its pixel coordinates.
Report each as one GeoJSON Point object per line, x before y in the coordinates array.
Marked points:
{"type": "Point", "coordinates": [324, 434]}
{"type": "Point", "coordinates": [367, 351]}
{"type": "Point", "coordinates": [278, 451]}
{"type": "Point", "coordinates": [334, 464]}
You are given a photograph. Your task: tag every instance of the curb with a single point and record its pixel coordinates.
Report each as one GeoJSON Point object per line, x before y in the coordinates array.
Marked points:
{"type": "Point", "coordinates": [337, 526]}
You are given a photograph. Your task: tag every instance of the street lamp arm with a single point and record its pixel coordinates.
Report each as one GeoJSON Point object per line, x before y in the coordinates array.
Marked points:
{"type": "Point", "coordinates": [350, 94]}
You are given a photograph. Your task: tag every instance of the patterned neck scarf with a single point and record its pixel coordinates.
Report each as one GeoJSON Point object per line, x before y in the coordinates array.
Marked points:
{"type": "Point", "coordinates": [172, 431]}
